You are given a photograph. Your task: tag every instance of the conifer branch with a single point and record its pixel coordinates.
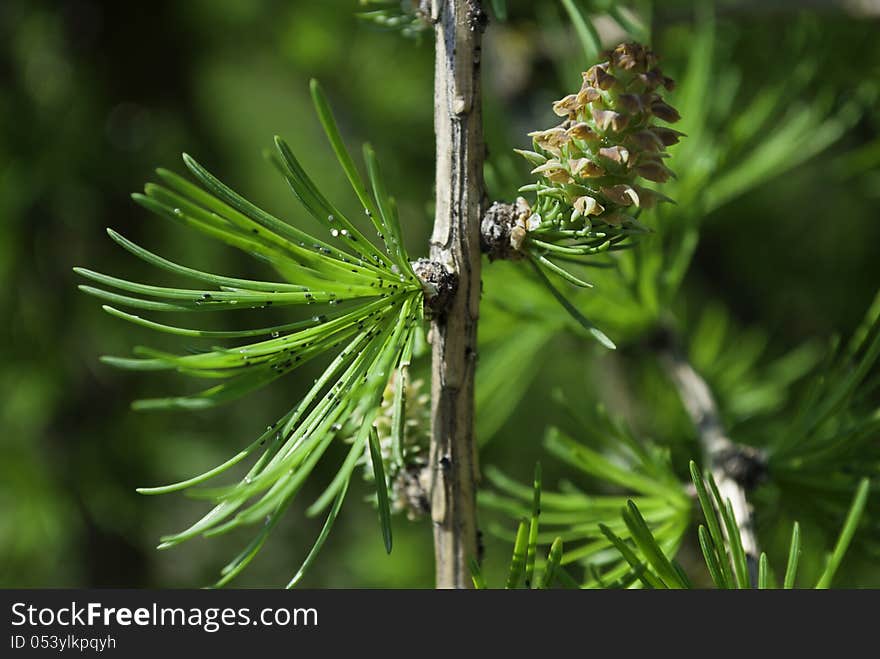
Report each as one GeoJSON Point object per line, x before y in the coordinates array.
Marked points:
{"type": "Point", "coordinates": [455, 244]}
{"type": "Point", "coordinates": [735, 468]}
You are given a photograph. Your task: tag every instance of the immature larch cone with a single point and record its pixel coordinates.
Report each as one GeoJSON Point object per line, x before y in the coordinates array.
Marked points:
{"type": "Point", "coordinates": [608, 141]}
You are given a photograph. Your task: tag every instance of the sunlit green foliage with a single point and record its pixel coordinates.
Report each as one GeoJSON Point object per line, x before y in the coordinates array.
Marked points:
{"type": "Point", "coordinates": [614, 457]}
{"type": "Point", "coordinates": [721, 546]}
{"type": "Point", "coordinates": [524, 571]}
{"type": "Point", "coordinates": [92, 101]}
{"type": "Point", "coordinates": [820, 455]}
{"type": "Point", "coordinates": [380, 304]}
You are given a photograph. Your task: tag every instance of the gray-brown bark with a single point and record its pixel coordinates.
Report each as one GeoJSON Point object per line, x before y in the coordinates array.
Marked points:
{"type": "Point", "coordinates": [455, 243]}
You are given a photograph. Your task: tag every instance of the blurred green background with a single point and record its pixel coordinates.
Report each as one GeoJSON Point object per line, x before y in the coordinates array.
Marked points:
{"type": "Point", "coordinates": [94, 95]}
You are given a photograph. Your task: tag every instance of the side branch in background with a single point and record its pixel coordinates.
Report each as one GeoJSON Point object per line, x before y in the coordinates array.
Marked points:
{"type": "Point", "coordinates": [455, 243]}
{"type": "Point", "coordinates": [735, 468]}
